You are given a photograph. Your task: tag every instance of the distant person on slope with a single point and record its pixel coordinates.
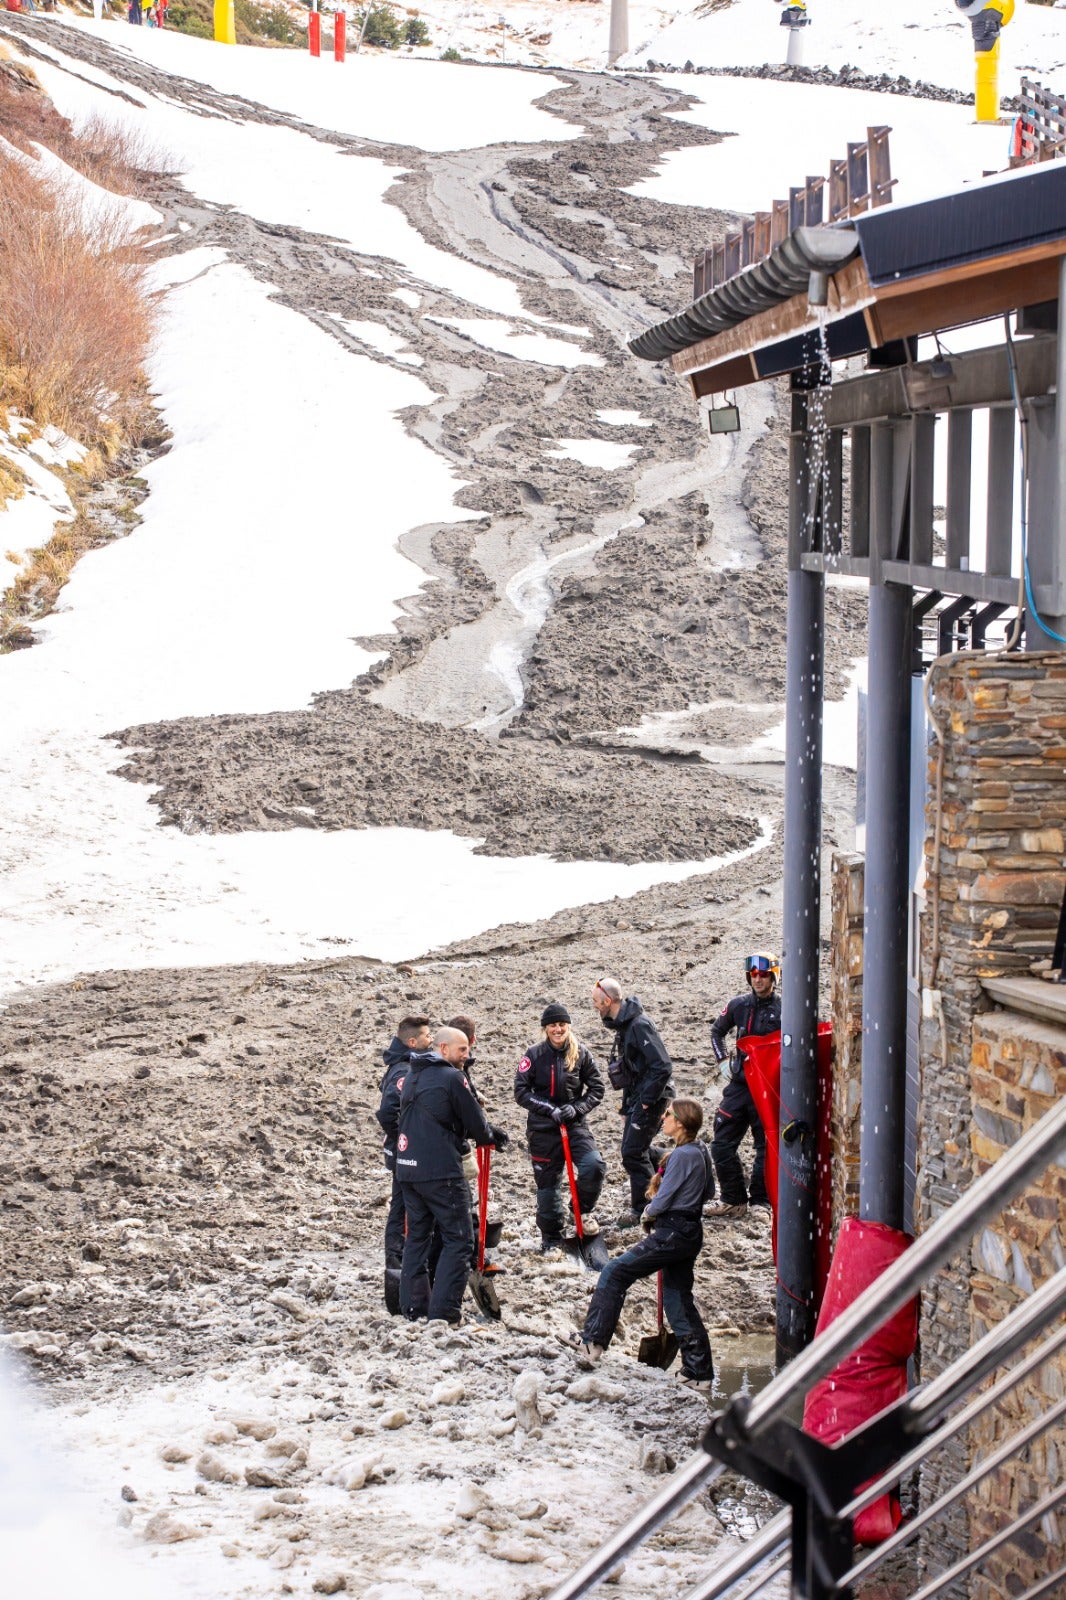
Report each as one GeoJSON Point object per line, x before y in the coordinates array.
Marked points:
{"type": "Point", "coordinates": [758, 1011]}
{"type": "Point", "coordinates": [675, 1201]}
{"type": "Point", "coordinates": [438, 1113]}
{"type": "Point", "coordinates": [641, 1068]}
{"type": "Point", "coordinates": [411, 1037]}
{"type": "Point", "coordinates": [558, 1083]}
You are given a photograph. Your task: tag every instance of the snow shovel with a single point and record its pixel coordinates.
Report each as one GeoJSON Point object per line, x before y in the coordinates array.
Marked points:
{"type": "Point", "coordinates": [593, 1251]}
{"type": "Point", "coordinates": [658, 1349]}
{"type": "Point", "coordinates": [480, 1280]}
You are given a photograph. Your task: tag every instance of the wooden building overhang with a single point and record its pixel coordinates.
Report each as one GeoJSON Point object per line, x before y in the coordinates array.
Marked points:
{"type": "Point", "coordinates": [904, 271]}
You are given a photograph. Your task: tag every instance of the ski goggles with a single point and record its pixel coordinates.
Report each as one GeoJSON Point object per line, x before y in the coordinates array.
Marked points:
{"type": "Point", "coordinates": [759, 964]}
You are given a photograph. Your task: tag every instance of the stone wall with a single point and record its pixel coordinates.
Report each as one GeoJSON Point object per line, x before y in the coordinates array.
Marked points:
{"type": "Point", "coordinates": [1000, 857]}
{"type": "Point", "coordinates": [1019, 1071]}
{"type": "Point", "coordinates": [845, 990]}
{"type": "Point", "coordinates": [995, 907]}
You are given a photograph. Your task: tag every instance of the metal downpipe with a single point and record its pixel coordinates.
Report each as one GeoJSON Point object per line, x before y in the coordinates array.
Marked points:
{"type": "Point", "coordinates": [805, 659]}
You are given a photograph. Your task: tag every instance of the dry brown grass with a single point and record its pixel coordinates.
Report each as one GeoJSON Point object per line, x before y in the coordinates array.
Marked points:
{"type": "Point", "coordinates": [74, 324]}
{"type": "Point", "coordinates": [37, 587]}
{"type": "Point", "coordinates": [119, 156]}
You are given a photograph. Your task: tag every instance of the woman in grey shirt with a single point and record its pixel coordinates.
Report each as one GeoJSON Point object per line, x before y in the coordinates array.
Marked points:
{"type": "Point", "coordinates": [675, 1196]}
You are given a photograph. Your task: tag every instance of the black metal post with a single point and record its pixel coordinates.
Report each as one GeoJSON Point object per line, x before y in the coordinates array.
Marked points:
{"type": "Point", "coordinates": [888, 713]}
{"type": "Point", "coordinates": [802, 907]}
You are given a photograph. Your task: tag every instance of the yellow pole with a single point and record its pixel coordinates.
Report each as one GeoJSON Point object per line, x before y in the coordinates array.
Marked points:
{"type": "Point", "coordinates": [986, 85]}
{"type": "Point", "coordinates": [225, 22]}
{"type": "Point", "coordinates": [986, 60]}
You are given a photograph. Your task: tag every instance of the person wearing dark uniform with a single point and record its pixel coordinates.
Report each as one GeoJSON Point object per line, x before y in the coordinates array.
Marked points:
{"type": "Point", "coordinates": [559, 1083]}
{"type": "Point", "coordinates": [756, 1012]}
{"type": "Point", "coordinates": [438, 1113]}
{"type": "Point", "coordinates": [641, 1068]}
{"type": "Point", "coordinates": [675, 1238]}
{"type": "Point", "coordinates": [412, 1035]}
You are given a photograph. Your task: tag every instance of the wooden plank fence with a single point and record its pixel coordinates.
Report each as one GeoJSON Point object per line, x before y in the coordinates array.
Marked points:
{"type": "Point", "coordinates": [857, 181]}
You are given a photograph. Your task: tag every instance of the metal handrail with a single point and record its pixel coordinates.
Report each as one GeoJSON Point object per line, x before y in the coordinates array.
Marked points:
{"type": "Point", "coordinates": [911, 1529]}
{"type": "Point", "coordinates": [955, 1424]}
{"type": "Point", "coordinates": [767, 1542]}
{"type": "Point", "coordinates": [987, 1195]}
{"type": "Point", "coordinates": [1004, 1536]}
{"type": "Point", "coordinates": [1046, 1586]}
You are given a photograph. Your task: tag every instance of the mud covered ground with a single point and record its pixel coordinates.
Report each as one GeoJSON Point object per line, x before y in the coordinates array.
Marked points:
{"type": "Point", "coordinates": [191, 1187]}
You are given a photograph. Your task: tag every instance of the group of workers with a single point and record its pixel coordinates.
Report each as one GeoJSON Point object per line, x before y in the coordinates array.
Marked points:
{"type": "Point", "coordinates": [432, 1115]}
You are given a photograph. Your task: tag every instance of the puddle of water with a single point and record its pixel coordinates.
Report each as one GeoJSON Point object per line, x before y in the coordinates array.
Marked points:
{"type": "Point", "coordinates": [743, 1365]}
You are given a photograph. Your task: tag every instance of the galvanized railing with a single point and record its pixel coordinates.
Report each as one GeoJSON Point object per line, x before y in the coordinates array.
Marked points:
{"type": "Point", "coordinates": [813, 1539]}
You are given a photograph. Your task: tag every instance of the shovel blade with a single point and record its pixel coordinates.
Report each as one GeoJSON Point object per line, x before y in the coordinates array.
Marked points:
{"type": "Point", "coordinates": [579, 1248]}
{"type": "Point", "coordinates": [595, 1253]}
{"type": "Point", "coordinates": [657, 1349]}
{"type": "Point", "coordinates": [485, 1297]}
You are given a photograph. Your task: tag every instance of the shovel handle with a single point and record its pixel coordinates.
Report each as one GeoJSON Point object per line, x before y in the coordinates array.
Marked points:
{"type": "Point", "coordinates": [484, 1161]}
{"type": "Point", "coordinates": [659, 1299]}
{"type": "Point", "coordinates": [565, 1137]}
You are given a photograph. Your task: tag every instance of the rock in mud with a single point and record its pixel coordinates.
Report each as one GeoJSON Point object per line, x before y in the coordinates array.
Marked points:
{"type": "Point", "coordinates": [593, 1387]}
{"type": "Point", "coordinates": [354, 1473]}
{"type": "Point", "coordinates": [175, 1454]}
{"type": "Point", "coordinates": [471, 1499]}
{"type": "Point", "coordinates": [654, 1459]}
{"type": "Point", "coordinates": [330, 1583]}
{"type": "Point", "coordinates": [223, 1433]}
{"type": "Point", "coordinates": [395, 1419]}
{"type": "Point", "coordinates": [526, 1393]}
{"type": "Point", "coordinates": [262, 1478]}
{"type": "Point", "coordinates": [166, 1528]}
{"type": "Point", "coordinates": [255, 1427]}
{"type": "Point", "coordinates": [215, 1470]}
{"type": "Point", "coordinates": [447, 1394]}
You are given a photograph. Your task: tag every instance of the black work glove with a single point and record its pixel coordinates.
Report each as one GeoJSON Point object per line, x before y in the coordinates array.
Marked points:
{"type": "Point", "coordinates": [564, 1114]}
{"type": "Point", "coordinates": [500, 1137]}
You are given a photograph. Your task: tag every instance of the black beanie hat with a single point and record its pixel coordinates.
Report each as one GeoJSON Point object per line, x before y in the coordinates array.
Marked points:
{"type": "Point", "coordinates": [554, 1013]}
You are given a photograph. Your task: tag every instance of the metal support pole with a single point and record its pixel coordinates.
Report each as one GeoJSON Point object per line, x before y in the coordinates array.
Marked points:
{"type": "Point", "coordinates": [618, 39]}
{"type": "Point", "coordinates": [802, 907]}
{"type": "Point", "coordinates": [884, 1000]}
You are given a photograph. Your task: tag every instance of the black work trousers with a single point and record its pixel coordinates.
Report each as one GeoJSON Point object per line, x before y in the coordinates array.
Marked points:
{"type": "Point", "coordinates": [446, 1202]}
{"type": "Point", "coordinates": [736, 1114]}
{"type": "Point", "coordinates": [394, 1228]}
{"type": "Point", "coordinates": [671, 1248]}
{"type": "Point", "coordinates": [641, 1126]}
{"type": "Point", "coordinates": [546, 1154]}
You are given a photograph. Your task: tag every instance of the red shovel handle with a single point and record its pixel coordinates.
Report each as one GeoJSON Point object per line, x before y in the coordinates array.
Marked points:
{"type": "Point", "coordinates": [659, 1299]}
{"type": "Point", "coordinates": [484, 1161]}
{"type": "Point", "coordinates": [565, 1137]}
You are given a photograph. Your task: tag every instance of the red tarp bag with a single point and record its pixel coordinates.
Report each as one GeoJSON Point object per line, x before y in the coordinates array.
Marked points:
{"type": "Point", "coordinates": [873, 1376]}
{"type": "Point", "coordinates": [762, 1073]}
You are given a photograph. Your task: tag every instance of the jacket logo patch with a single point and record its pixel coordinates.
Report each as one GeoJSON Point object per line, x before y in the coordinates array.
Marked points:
{"type": "Point", "coordinates": [399, 1083]}
{"type": "Point", "coordinates": [525, 1064]}
{"type": "Point", "coordinates": [401, 1143]}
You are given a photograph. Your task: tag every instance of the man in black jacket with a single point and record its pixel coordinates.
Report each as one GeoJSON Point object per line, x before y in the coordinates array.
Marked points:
{"type": "Point", "coordinates": [412, 1034]}
{"type": "Point", "coordinates": [756, 1012]}
{"type": "Point", "coordinates": [438, 1113]}
{"type": "Point", "coordinates": [559, 1083]}
{"type": "Point", "coordinates": [641, 1068]}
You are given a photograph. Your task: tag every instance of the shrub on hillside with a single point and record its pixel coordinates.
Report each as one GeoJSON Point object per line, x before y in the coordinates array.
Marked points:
{"type": "Point", "coordinates": [74, 324]}
{"type": "Point", "coordinates": [379, 26]}
{"type": "Point", "coordinates": [416, 32]}
{"type": "Point", "coordinates": [273, 22]}
{"type": "Point", "coordinates": [270, 24]}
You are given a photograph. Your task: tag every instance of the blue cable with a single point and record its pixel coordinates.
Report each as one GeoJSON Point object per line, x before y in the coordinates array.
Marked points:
{"type": "Point", "coordinates": [1023, 508]}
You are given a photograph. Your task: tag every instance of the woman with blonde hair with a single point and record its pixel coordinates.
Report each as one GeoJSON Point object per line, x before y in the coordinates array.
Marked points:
{"type": "Point", "coordinates": [676, 1195]}
{"type": "Point", "coordinates": [559, 1083]}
